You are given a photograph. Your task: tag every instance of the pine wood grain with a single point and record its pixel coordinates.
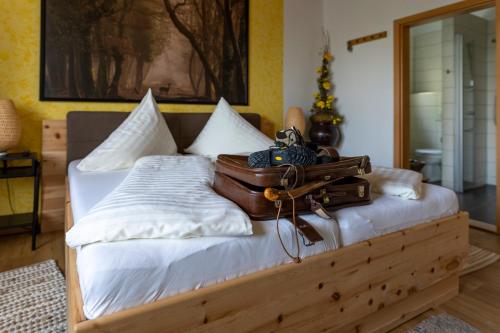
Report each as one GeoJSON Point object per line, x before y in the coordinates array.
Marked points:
{"type": "Point", "coordinates": [53, 174]}
{"type": "Point", "coordinates": [15, 252]}
{"type": "Point", "coordinates": [478, 302]}
{"type": "Point", "coordinates": [395, 276]}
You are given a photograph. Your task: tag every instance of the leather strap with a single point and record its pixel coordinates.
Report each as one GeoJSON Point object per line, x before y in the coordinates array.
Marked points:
{"type": "Point", "coordinates": [319, 210]}
{"type": "Point", "coordinates": [307, 230]}
{"type": "Point", "coordinates": [295, 258]}
{"type": "Point", "coordinates": [328, 151]}
{"type": "Point", "coordinates": [300, 175]}
{"type": "Point", "coordinates": [303, 228]}
{"type": "Point", "coordinates": [294, 172]}
{"type": "Point", "coordinates": [273, 194]}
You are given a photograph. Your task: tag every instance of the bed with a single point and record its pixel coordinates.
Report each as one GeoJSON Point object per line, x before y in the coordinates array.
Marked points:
{"type": "Point", "coordinates": [385, 274]}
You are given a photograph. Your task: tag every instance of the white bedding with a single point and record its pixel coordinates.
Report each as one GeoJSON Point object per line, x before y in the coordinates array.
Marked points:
{"type": "Point", "coordinates": [119, 275]}
{"type": "Point", "coordinates": [162, 197]}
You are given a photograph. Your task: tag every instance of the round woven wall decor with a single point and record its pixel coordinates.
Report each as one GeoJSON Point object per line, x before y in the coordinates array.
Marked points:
{"type": "Point", "coordinates": [10, 126]}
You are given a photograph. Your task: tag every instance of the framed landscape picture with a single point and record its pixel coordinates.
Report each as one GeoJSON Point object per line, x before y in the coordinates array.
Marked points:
{"type": "Point", "coordinates": [187, 51]}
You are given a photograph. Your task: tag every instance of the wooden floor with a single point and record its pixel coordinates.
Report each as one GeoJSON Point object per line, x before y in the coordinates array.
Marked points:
{"type": "Point", "coordinates": [479, 299]}
{"type": "Point", "coordinates": [477, 304]}
{"type": "Point", "coordinates": [15, 250]}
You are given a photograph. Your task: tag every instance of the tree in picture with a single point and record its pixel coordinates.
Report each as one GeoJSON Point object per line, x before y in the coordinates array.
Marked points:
{"type": "Point", "coordinates": [192, 51]}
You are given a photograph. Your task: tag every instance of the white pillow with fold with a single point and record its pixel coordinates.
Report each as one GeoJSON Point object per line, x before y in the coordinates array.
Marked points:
{"type": "Point", "coordinates": [162, 197]}
{"type": "Point", "coordinates": [227, 132]}
{"type": "Point", "coordinates": [403, 183]}
{"type": "Point", "coordinates": [143, 133]}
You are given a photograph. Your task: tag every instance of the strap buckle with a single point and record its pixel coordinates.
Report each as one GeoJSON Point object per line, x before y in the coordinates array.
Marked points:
{"type": "Point", "coordinates": [294, 171]}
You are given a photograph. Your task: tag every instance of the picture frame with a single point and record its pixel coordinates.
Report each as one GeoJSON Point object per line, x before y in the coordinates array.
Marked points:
{"type": "Point", "coordinates": [184, 50]}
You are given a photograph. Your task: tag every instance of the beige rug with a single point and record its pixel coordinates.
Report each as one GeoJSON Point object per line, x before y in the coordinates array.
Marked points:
{"type": "Point", "coordinates": [478, 259]}
{"type": "Point", "coordinates": [444, 323]}
{"type": "Point", "coordinates": [33, 299]}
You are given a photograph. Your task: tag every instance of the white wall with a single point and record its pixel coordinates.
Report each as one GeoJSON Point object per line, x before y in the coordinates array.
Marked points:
{"type": "Point", "coordinates": [303, 41]}
{"type": "Point", "coordinates": [364, 78]}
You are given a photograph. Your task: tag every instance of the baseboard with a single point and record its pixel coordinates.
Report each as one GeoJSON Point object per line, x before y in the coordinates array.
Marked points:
{"type": "Point", "coordinates": [483, 225]}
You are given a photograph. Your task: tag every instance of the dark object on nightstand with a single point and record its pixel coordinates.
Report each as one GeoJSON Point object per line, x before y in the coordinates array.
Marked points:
{"type": "Point", "coordinates": [417, 166]}
{"type": "Point", "coordinates": [7, 172]}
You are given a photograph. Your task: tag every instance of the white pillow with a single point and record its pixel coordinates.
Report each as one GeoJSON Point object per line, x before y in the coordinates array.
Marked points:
{"type": "Point", "coordinates": [403, 183]}
{"type": "Point", "coordinates": [162, 197]}
{"type": "Point", "coordinates": [226, 132]}
{"type": "Point", "coordinates": [143, 133]}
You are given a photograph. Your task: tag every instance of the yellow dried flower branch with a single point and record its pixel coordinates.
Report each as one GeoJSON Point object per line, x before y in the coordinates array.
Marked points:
{"type": "Point", "coordinates": [324, 99]}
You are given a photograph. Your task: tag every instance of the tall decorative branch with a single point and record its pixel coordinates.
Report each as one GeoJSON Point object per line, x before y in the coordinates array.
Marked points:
{"type": "Point", "coordinates": [323, 106]}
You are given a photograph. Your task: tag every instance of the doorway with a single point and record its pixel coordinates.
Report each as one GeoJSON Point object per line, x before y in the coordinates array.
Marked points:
{"type": "Point", "coordinates": [445, 102]}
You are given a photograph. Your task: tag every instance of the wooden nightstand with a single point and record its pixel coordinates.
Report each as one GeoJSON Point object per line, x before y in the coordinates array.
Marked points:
{"type": "Point", "coordinates": [23, 220]}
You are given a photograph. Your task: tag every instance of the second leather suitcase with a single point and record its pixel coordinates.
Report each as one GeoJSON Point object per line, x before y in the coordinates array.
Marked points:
{"type": "Point", "coordinates": [343, 193]}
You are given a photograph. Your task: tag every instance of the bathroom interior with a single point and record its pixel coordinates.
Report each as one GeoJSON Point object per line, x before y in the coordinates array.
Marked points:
{"type": "Point", "coordinates": [452, 108]}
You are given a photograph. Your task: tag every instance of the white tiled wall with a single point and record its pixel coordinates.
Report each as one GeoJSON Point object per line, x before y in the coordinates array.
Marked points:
{"type": "Point", "coordinates": [474, 31]}
{"type": "Point", "coordinates": [426, 120]}
{"type": "Point", "coordinates": [433, 90]}
{"type": "Point", "coordinates": [476, 117]}
{"type": "Point", "coordinates": [448, 103]}
{"type": "Point", "coordinates": [489, 126]}
{"type": "Point", "coordinates": [426, 86]}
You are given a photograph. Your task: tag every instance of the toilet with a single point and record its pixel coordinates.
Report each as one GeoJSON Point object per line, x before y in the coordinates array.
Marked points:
{"type": "Point", "coordinates": [432, 159]}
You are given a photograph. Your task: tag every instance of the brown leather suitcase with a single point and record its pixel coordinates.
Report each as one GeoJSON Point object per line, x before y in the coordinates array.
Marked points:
{"type": "Point", "coordinates": [236, 166]}
{"type": "Point", "coordinates": [266, 193]}
{"type": "Point", "coordinates": [345, 192]}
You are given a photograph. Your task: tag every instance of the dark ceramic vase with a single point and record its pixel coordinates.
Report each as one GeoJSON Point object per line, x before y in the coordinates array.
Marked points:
{"type": "Point", "coordinates": [324, 133]}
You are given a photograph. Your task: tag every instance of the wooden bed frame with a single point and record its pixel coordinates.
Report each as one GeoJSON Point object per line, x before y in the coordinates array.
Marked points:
{"type": "Point", "coordinates": [371, 286]}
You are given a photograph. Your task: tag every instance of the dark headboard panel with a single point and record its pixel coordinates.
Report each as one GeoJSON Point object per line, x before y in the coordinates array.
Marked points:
{"type": "Point", "coordinates": [87, 129]}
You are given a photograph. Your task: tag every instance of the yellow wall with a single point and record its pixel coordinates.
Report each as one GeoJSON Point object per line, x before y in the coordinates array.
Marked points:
{"type": "Point", "coordinates": [19, 77]}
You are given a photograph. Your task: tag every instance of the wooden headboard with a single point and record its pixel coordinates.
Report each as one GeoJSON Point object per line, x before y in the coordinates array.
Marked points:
{"type": "Point", "coordinates": [82, 131]}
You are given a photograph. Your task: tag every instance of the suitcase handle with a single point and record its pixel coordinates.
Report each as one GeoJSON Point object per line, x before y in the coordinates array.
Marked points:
{"type": "Point", "coordinates": [274, 195]}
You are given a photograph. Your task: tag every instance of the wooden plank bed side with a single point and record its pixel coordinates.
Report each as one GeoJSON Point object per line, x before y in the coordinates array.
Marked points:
{"type": "Point", "coordinates": [392, 316]}
{"type": "Point", "coordinates": [366, 287]}
{"type": "Point", "coordinates": [53, 174]}
{"type": "Point", "coordinates": [75, 301]}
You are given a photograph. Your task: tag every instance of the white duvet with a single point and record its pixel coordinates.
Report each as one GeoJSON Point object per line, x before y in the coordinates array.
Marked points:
{"type": "Point", "coordinates": [119, 275]}
{"type": "Point", "coordinates": [162, 197]}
